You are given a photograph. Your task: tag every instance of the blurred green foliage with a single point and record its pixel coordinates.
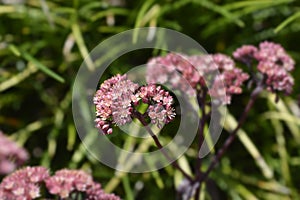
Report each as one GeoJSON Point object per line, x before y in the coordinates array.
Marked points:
{"type": "Point", "coordinates": [43, 43]}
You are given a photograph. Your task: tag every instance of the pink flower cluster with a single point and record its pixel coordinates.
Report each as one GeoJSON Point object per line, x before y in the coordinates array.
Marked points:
{"type": "Point", "coordinates": [160, 110]}
{"type": "Point", "coordinates": [117, 98]}
{"type": "Point", "coordinates": [113, 102]}
{"type": "Point", "coordinates": [66, 181]}
{"type": "Point", "coordinates": [25, 183]}
{"type": "Point", "coordinates": [11, 155]}
{"type": "Point", "coordinates": [174, 69]}
{"type": "Point", "coordinates": [217, 72]}
{"type": "Point", "coordinates": [273, 62]}
{"type": "Point", "coordinates": [230, 78]}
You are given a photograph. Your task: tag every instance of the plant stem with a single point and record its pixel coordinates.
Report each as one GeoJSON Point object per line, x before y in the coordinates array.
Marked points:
{"type": "Point", "coordinates": [201, 102]}
{"type": "Point", "coordinates": [140, 117]}
{"type": "Point", "coordinates": [233, 134]}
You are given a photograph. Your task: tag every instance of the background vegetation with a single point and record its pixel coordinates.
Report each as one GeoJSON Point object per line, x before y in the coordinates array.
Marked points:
{"type": "Point", "coordinates": [43, 43]}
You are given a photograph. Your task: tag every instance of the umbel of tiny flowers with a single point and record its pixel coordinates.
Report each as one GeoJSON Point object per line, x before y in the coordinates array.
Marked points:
{"type": "Point", "coordinates": [117, 99]}
{"type": "Point", "coordinates": [25, 184]}
{"type": "Point", "coordinates": [65, 182]}
{"type": "Point", "coordinates": [215, 72]}
{"type": "Point", "coordinates": [272, 69]}
{"type": "Point", "coordinates": [116, 103]}
{"type": "Point", "coordinates": [273, 63]}
{"type": "Point", "coordinates": [11, 155]}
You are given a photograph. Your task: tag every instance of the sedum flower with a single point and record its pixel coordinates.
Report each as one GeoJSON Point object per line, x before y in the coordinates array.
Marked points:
{"type": "Point", "coordinates": [117, 98]}
{"type": "Point", "coordinates": [174, 69]}
{"type": "Point", "coordinates": [11, 155]}
{"type": "Point", "coordinates": [230, 78]}
{"type": "Point", "coordinates": [96, 193]}
{"type": "Point", "coordinates": [245, 53]}
{"type": "Point", "coordinates": [273, 63]}
{"type": "Point", "coordinates": [65, 181]}
{"type": "Point", "coordinates": [274, 53]}
{"type": "Point", "coordinates": [215, 72]}
{"type": "Point", "coordinates": [23, 184]}
{"type": "Point", "coordinates": [160, 102]}
{"type": "Point", "coordinates": [113, 102]}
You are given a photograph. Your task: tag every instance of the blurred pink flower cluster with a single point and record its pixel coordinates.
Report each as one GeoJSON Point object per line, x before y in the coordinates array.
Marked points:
{"type": "Point", "coordinates": [272, 61]}
{"type": "Point", "coordinates": [25, 184]}
{"type": "Point", "coordinates": [117, 98]}
{"type": "Point", "coordinates": [11, 155]}
{"type": "Point", "coordinates": [216, 72]}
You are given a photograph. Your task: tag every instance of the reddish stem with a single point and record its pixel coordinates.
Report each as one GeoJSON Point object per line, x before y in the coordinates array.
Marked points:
{"type": "Point", "coordinates": [140, 117]}
{"type": "Point", "coordinates": [233, 134]}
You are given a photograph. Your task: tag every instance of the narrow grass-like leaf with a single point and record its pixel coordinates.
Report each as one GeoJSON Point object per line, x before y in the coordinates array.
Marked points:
{"type": "Point", "coordinates": [139, 18]}
{"type": "Point", "coordinates": [253, 3]}
{"type": "Point", "coordinates": [114, 182]}
{"type": "Point", "coordinates": [229, 125]}
{"type": "Point", "coordinates": [127, 188]}
{"type": "Point", "coordinates": [282, 151]}
{"type": "Point", "coordinates": [71, 137]}
{"type": "Point", "coordinates": [282, 108]}
{"type": "Point", "coordinates": [221, 23]}
{"type": "Point", "coordinates": [155, 174]}
{"type": "Point", "coordinates": [111, 11]}
{"type": "Point", "coordinates": [22, 135]}
{"type": "Point", "coordinates": [36, 63]}
{"type": "Point", "coordinates": [58, 124]}
{"type": "Point", "coordinates": [221, 10]}
{"type": "Point", "coordinates": [16, 79]}
{"type": "Point", "coordinates": [271, 185]}
{"type": "Point", "coordinates": [281, 116]}
{"type": "Point", "coordinates": [234, 187]}
{"type": "Point", "coordinates": [286, 22]}
{"type": "Point", "coordinates": [82, 47]}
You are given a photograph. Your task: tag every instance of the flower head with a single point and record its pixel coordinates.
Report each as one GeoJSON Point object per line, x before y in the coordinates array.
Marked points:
{"type": "Point", "coordinates": [215, 72]}
{"type": "Point", "coordinates": [160, 102]}
{"type": "Point", "coordinates": [175, 70]}
{"type": "Point", "coordinates": [273, 63]}
{"type": "Point", "coordinates": [11, 155]}
{"type": "Point", "coordinates": [229, 79]}
{"type": "Point", "coordinates": [96, 193]}
{"type": "Point", "coordinates": [274, 53]}
{"type": "Point", "coordinates": [65, 181]}
{"type": "Point", "coordinates": [245, 53]}
{"type": "Point", "coordinates": [118, 97]}
{"type": "Point", "coordinates": [23, 184]}
{"type": "Point", "coordinates": [113, 102]}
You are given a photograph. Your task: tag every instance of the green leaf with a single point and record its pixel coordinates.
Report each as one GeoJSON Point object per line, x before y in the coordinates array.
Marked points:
{"type": "Point", "coordinates": [287, 22]}
{"type": "Point", "coordinates": [229, 125]}
{"type": "Point", "coordinates": [38, 64]}
{"type": "Point", "coordinates": [221, 10]}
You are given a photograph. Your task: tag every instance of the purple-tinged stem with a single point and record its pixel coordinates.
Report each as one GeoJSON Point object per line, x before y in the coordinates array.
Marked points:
{"type": "Point", "coordinates": [140, 117]}
{"type": "Point", "coordinates": [233, 134]}
{"type": "Point", "coordinates": [201, 101]}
